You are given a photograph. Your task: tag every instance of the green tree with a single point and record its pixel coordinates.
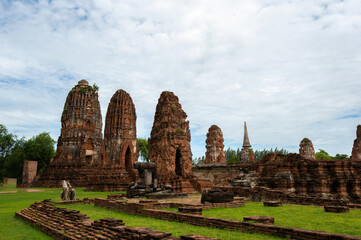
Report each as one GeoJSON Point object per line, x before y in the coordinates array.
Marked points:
{"type": "Point", "coordinates": [40, 148]}
{"type": "Point", "coordinates": [260, 154]}
{"type": "Point", "coordinates": [232, 155]}
{"type": "Point", "coordinates": [340, 156]}
{"type": "Point", "coordinates": [322, 154]}
{"type": "Point", "coordinates": [7, 142]}
{"type": "Point", "coordinates": [143, 148]}
{"type": "Point", "coordinates": [95, 88]}
{"type": "Point", "coordinates": [198, 160]}
{"type": "Point", "coordinates": [14, 163]}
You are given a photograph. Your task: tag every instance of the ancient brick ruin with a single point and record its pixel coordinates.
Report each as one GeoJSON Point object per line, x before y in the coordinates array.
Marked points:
{"type": "Point", "coordinates": [87, 160]}
{"type": "Point", "coordinates": [306, 149]}
{"type": "Point", "coordinates": [356, 150]}
{"type": "Point", "coordinates": [169, 143]}
{"type": "Point", "coordinates": [320, 178]}
{"type": "Point", "coordinates": [214, 145]}
{"type": "Point", "coordinates": [83, 156]}
{"type": "Point", "coordinates": [169, 146]}
{"type": "Point", "coordinates": [81, 130]}
{"type": "Point", "coordinates": [29, 173]}
{"type": "Point", "coordinates": [246, 154]}
{"type": "Point", "coordinates": [119, 149]}
{"type": "Point", "coordinates": [120, 134]}
{"type": "Point", "coordinates": [80, 138]}
{"type": "Point", "coordinates": [292, 176]}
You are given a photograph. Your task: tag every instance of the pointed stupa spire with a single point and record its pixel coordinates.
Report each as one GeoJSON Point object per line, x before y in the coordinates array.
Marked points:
{"type": "Point", "coordinates": [246, 143]}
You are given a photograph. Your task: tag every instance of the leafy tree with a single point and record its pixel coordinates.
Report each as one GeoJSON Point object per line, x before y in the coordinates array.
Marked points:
{"type": "Point", "coordinates": [40, 148]}
{"type": "Point", "coordinates": [322, 154]}
{"type": "Point", "coordinates": [14, 163]}
{"type": "Point", "coordinates": [7, 142]}
{"type": "Point", "coordinates": [143, 148]}
{"type": "Point", "coordinates": [198, 160]}
{"type": "Point", "coordinates": [231, 155]}
{"type": "Point", "coordinates": [340, 156]}
{"type": "Point", "coordinates": [95, 88]}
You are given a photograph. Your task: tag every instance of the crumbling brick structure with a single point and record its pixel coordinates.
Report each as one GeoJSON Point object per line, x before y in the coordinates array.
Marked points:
{"type": "Point", "coordinates": [119, 149]}
{"type": "Point", "coordinates": [169, 143]}
{"type": "Point", "coordinates": [301, 174]}
{"type": "Point", "coordinates": [29, 173]}
{"type": "Point", "coordinates": [83, 157]}
{"type": "Point", "coordinates": [169, 146]}
{"type": "Point", "coordinates": [80, 138]}
{"type": "Point", "coordinates": [214, 145]}
{"type": "Point", "coordinates": [246, 154]}
{"type": "Point", "coordinates": [306, 149]}
{"type": "Point", "coordinates": [356, 149]}
{"type": "Point", "coordinates": [319, 178]}
{"type": "Point", "coordinates": [120, 134]}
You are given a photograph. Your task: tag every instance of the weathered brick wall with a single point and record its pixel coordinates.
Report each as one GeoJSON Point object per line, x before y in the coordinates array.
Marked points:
{"type": "Point", "coordinates": [263, 193]}
{"type": "Point", "coordinates": [217, 173]}
{"type": "Point", "coordinates": [29, 172]}
{"type": "Point", "coordinates": [220, 174]}
{"type": "Point", "coordinates": [335, 178]}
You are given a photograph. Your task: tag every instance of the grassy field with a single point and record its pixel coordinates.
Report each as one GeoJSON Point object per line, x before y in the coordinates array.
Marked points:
{"type": "Point", "coordinates": [12, 228]}
{"type": "Point", "coordinates": [175, 228]}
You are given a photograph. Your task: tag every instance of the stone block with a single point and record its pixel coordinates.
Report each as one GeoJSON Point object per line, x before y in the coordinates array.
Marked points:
{"type": "Point", "coordinates": [259, 219]}
{"type": "Point", "coordinates": [272, 204]}
{"type": "Point", "coordinates": [336, 209]}
{"type": "Point", "coordinates": [191, 210]}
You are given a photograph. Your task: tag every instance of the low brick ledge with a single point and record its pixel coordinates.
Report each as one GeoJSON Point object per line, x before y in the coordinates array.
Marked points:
{"type": "Point", "coordinates": [261, 194]}
{"type": "Point", "coordinates": [198, 220]}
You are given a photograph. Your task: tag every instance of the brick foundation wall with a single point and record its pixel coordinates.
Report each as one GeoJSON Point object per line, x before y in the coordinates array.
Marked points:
{"type": "Point", "coordinates": [65, 224]}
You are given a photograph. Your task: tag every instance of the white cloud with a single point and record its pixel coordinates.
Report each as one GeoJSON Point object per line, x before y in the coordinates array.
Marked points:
{"type": "Point", "coordinates": [290, 68]}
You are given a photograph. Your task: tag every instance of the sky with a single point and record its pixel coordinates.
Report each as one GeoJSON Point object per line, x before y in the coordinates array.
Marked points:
{"type": "Point", "coordinates": [291, 69]}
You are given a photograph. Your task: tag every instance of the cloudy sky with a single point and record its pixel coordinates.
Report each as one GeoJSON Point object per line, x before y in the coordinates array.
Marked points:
{"type": "Point", "coordinates": [291, 69]}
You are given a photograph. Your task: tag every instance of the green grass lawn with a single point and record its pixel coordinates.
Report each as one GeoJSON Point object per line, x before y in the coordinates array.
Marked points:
{"type": "Point", "coordinates": [306, 217]}
{"type": "Point", "coordinates": [12, 228]}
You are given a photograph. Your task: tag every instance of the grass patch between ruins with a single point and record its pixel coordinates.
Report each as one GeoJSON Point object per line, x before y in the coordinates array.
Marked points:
{"type": "Point", "coordinates": [306, 217]}
{"type": "Point", "coordinates": [176, 228]}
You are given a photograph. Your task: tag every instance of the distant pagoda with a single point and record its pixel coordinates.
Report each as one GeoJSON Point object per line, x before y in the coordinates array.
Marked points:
{"type": "Point", "coordinates": [246, 154]}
